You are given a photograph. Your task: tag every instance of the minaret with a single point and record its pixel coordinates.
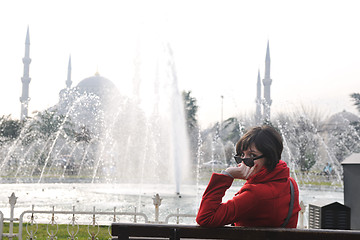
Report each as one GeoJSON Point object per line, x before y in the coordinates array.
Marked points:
{"type": "Point", "coordinates": [68, 80]}
{"type": "Point", "coordinates": [267, 83]}
{"type": "Point", "coordinates": [258, 100]}
{"type": "Point", "coordinates": [24, 99]}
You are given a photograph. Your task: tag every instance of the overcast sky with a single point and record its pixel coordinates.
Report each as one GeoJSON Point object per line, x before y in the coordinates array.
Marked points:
{"type": "Point", "coordinates": [218, 47]}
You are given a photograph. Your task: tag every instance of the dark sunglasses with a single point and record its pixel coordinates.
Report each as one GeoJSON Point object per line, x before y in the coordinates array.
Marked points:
{"type": "Point", "coordinates": [248, 161]}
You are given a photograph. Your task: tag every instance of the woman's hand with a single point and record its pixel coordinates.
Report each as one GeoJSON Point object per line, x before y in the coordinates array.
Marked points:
{"type": "Point", "coordinates": [241, 171]}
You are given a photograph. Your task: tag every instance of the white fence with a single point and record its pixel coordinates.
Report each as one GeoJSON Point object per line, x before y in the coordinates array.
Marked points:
{"type": "Point", "coordinates": [92, 219]}
{"type": "Point", "coordinates": [73, 219]}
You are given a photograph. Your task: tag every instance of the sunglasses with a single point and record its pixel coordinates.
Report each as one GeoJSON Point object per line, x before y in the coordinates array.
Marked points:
{"type": "Point", "coordinates": [248, 161]}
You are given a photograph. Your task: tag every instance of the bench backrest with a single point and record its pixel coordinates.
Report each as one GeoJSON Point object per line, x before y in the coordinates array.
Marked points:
{"type": "Point", "coordinates": [175, 231]}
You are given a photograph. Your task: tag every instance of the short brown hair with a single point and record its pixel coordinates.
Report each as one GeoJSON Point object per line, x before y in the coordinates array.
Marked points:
{"type": "Point", "coordinates": [267, 140]}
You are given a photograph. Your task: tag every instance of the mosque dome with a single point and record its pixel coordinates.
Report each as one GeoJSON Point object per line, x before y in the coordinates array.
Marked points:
{"type": "Point", "coordinates": [98, 85]}
{"type": "Point", "coordinates": [341, 119]}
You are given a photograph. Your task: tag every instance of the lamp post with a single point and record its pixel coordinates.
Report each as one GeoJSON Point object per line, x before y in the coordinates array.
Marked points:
{"type": "Point", "coordinates": [222, 110]}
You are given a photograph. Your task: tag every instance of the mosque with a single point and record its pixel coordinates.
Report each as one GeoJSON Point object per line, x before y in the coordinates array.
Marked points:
{"type": "Point", "coordinates": [103, 87]}
{"type": "Point", "coordinates": [97, 85]}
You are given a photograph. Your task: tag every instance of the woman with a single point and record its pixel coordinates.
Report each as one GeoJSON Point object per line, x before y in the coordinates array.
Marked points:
{"type": "Point", "coordinates": [264, 200]}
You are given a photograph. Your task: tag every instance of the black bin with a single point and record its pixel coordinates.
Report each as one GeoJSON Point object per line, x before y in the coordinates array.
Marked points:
{"type": "Point", "coordinates": [351, 166]}
{"type": "Point", "coordinates": [324, 215]}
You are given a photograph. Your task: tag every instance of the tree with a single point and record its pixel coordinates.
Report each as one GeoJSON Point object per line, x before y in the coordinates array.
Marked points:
{"type": "Point", "coordinates": [47, 134]}
{"type": "Point", "coordinates": [344, 137]}
{"type": "Point", "coordinates": [46, 124]}
{"type": "Point", "coordinates": [191, 108]}
{"type": "Point", "coordinates": [355, 126]}
{"type": "Point", "coordinates": [230, 130]}
{"type": "Point", "coordinates": [356, 99]}
{"type": "Point", "coordinates": [9, 129]}
{"type": "Point", "coordinates": [301, 135]}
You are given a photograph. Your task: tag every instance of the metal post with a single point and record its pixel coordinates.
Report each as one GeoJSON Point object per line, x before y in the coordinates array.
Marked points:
{"type": "Point", "coordinates": [302, 212]}
{"type": "Point", "coordinates": [1, 224]}
{"type": "Point", "coordinates": [157, 203]}
{"type": "Point", "coordinates": [114, 217]}
{"type": "Point", "coordinates": [12, 201]}
{"type": "Point", "coordinates": [177, 217]}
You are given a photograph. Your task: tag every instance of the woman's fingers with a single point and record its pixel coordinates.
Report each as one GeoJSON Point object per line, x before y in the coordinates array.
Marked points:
{"type": "Point", "coordinates": [250, 171]}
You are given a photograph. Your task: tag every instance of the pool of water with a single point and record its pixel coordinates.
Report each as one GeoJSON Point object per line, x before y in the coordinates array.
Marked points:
{"type": "Point", "coordinates": [125, 197]}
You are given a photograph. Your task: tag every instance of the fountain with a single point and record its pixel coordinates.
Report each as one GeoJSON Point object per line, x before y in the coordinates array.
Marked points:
{"type": "Point", "coordinates": [105, 143]}
{"type": "Point", "coordinates": [107, 189]}
{"type": "Point", "coordinates": [107, 137]}
{"type": "Point", "coordinates": [109, 149]}
{"type": "Point", "coordinates": [99, 147]}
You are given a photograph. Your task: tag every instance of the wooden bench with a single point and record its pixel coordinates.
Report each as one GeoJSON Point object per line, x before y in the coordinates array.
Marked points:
{"type": "Point", "coordinates": [124, 231]}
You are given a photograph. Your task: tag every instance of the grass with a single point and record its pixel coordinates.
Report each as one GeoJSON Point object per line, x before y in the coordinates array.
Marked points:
{"type": "Point", "coordinates": [315, 183]}
{"type": "Point", "coordinates": [42, 231]}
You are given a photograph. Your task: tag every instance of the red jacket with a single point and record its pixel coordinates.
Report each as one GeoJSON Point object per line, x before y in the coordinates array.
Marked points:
{"type": "Point", "coordinates": [263, 201]}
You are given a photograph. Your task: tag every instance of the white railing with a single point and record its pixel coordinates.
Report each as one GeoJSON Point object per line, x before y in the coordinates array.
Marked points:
{"type": "Point", "coordinates": [29, 220]}
{"type": "Point", "coordinates": [72, 220]}
{"type": "Point", "coordinates": [73, 224]}
{"type": "Point", "coordinates": [1, 224]}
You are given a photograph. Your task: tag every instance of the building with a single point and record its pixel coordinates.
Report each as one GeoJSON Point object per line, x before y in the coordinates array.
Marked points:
{"type": "Point", "coordinates": [265, 102]}
{"type": "Point", "coordinates": [104, 88]}
{"type": "Point", "coordinates": [98, 86]}
{"type": "Point", "coordinates": [24, 99]}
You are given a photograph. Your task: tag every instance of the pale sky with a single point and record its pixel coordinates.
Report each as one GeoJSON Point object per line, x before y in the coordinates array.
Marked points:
{"type": "Point", "coordinates": [218, 47]}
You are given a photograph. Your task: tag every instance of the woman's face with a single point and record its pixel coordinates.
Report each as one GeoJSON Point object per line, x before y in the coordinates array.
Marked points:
{"type": "Point", "coordinates": [252, 152]}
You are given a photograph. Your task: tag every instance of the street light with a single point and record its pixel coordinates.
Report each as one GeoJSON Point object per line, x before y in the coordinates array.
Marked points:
{"type": "Point", "coordinates": [222, 109]}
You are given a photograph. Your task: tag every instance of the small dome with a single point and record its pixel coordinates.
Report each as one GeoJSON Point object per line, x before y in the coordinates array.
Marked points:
{"type": "Point", "coordinates": [341, 119]}
{"type": "Point", "coordinates": [98, 85]}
